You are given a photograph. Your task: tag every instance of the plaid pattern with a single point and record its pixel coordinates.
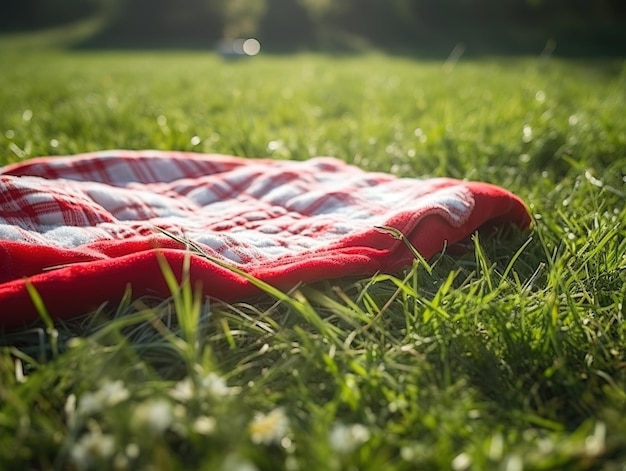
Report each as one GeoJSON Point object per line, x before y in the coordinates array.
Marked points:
{"type": "Point", "coordinates": [282, 221]}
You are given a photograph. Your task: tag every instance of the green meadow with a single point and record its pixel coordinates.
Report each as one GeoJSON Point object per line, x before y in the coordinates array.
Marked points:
{"type": "Point", "coordinates": [509, 357]}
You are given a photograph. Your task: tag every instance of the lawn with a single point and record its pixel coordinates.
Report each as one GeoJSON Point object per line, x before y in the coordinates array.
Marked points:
{"type": "Point", "coordinates": [511, 357]}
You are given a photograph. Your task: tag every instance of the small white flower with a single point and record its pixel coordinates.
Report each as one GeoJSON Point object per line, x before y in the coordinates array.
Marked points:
{"type": "Point", "coordinates": [208, 386]}
{"type": "Point", "coordinates": [183, 391]}
{"type": "Point", "coordinates": [114, 392]}
{"type": "Point", "coordinates": [92, 448]}
{"type": "Point", "coordinates": [109, 394]}
{"type": "Point", "coordinates": [204, 425]}
{"type": "Point", "coordinates": [155, 415]}
{"type": "Point", "coordinates": [269, 428]}
{"type": "Point", "coordinates": [89, 403]}
{"type": "Point", "coordinates": [345, 439]}
{"type": "Point", "coordinates": [214, 385]}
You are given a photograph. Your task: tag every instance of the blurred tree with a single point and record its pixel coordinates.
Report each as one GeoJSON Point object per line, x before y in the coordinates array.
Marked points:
{"type": "Point", "coordinates": [504, 25]}
{"type": "Point", "coordinates": [319, 9]}
{"type": "Point", "coordinates": [32, 14]}
{"type": "Point", "coordinates": [287, 24]}
{"type": "Point", "coordinates": [161, 22]}
{"type": "Point", "coordinates": [240, 17]}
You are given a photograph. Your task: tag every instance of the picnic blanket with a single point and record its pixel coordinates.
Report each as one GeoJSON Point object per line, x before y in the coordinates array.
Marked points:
{"type": "Point", "coordinates": [80, 229]}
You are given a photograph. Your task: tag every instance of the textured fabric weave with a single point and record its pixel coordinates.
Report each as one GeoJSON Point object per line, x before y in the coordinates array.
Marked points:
{"type": "Point", "coordinates": [82, 228]}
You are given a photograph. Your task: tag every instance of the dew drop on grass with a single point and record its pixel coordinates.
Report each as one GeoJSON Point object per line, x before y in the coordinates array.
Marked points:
{"type": "Point", "coordinates": [27, 115]}
{"type": "Point", "coordinates": [421, 136]}
{"type": "Point", "coordinates": [9, 134]}
{"type": "Point", "coordinates": [54, 143]}
{"type": "Point", "coordinates": [573, 120]}
{"type": "Point", "coordinates": [195, 140]}
{"type": "Point", "coordinates": [273, 146]}
{"type": "Point", "coordinates": [540, 96]}
{"type": "Point", "coordinates": [524, 158]}
{"type": "Point", "coordinates": [162, 122]}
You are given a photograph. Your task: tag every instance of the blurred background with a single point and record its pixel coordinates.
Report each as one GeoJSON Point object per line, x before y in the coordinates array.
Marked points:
{"type": "Point", "coordinates": [569, 27]}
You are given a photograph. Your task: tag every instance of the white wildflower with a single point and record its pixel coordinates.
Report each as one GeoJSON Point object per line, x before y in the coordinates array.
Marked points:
{"type": "Point", "coordinates": [345, 439]}
{"type": "Point", "coordinates": [269, 428]}
{"type": "Point", "coordinates": [183, 391]}
{"type": "Point", "coordinates": [214, 385]}
{"type": "Point", "coordinates": [114, 392]}
{"type": "Point", "coordinates": [210, 385]}
{"type": "Point", "coordinates": [92, 448]}
{"type": "Point", "coordinates": [204, 425]}
{"type": "Point", "coordinates": [155, 415]}
{"type": "Point", "coordinates": [89, 403]}
{"type": "Point", "coordinates": [109, 394]}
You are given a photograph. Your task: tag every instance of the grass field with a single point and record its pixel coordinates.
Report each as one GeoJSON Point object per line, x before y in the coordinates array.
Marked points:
{"type": "Point", "coordinates": [512, 357]}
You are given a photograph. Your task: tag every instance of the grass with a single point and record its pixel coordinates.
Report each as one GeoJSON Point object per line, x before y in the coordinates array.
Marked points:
{"type": "Point", "coordinates": [510, 357]}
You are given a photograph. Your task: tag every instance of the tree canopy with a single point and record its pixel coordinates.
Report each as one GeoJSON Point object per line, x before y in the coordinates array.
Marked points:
{"type": "Point", "coordinates": [335, 23]}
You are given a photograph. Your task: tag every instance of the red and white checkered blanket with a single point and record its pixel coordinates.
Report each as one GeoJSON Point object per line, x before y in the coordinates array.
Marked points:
{"type": "Point", "coordinates": [82, 228]}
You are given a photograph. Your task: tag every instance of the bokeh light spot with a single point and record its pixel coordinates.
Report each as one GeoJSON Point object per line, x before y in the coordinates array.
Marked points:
{"type": "Point", "coordinates": [251, 47]}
